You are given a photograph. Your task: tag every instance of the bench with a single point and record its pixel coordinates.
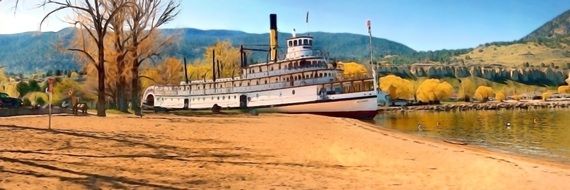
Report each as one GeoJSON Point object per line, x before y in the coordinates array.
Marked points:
{"type": "Point", "coordinates": [80, 107]}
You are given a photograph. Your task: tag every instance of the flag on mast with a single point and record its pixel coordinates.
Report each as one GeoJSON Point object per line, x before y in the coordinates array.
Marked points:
{"type": "Point", "coordinates": [307, 18]}
{"type": "Point", "coordinates": [369, 25]}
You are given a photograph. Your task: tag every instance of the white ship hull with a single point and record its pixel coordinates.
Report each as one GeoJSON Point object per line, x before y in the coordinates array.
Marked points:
{"type": "Point", "coordinates": [303, 99]}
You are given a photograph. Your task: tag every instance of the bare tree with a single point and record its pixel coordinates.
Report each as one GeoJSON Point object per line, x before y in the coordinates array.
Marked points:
{"type": "Point", "coordinates": [143, 22]}
{"type": "Point", "coordinates": [95, 17]}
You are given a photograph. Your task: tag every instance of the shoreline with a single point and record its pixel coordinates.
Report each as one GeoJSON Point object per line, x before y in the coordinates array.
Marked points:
{"type": "Point", "coordinates": [478, 148]}
{"type": "Point", "coordinates": [474, 106]}
{"type": "Point", "coordinates": [242, 151]}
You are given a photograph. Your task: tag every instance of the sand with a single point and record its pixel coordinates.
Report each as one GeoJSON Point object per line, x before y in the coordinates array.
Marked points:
{"type": "Point", "coordinates": [270, 151]}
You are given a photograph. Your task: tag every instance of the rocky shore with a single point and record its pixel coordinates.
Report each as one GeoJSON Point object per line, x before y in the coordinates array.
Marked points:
{"type": "Point", "coordinates": [484, 106]}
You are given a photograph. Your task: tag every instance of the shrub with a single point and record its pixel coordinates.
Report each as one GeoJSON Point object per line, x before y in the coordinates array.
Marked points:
{"type": "Point", "coordinates": [546, 95]}
{"type": "Point", "coordinates": [483, 93]}
{"type": "Point", "coordinates": [27, 102]}
{"type": "Point", "coordinates": [397, 87]}
{"type": "Point", "coordinates": [500, 96]}
{"type": "Point", "coordinates": [40, 101]}
{"type": "Point", "coordinates": [433, 91]}
{"type": "Point", "coordinates": [564, 89]}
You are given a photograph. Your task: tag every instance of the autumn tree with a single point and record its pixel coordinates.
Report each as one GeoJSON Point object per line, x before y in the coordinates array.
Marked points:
{"type": "Point", "coordinates": [93, 16]}
{"type": "Point", "coordinates": [564, 89]}
{"type": "Point", "coordinates": [433, 91]}
{"type": "Point", "coordinates": [467, 88]}
{"type": "Point", "coordinates": [3, 76]}
{"type": "Point", "coordinates": [397, 87]}
{"type": "Point", "coordinates": [483, 93]}
{"type": "Point", "coordinates": [353, 70]}
{"type": "Point", "coordinates": [500, 96]}
{"type": "Point", "coordinates": [171, 71]}
{"type": "Point", "coordinates": [546, 95]}
{"type": "Point", "coordinates": [143, 21]}
{"type": "Point", "coordinates": [226, 55]}
{"type": "Point", "coordinates": [120, 39]}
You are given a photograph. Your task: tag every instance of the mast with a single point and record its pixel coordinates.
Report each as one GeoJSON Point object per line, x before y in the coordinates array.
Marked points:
{"type": "Point", "coordinates": [373, 66]}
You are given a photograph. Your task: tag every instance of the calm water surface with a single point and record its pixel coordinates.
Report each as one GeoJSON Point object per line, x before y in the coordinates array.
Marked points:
{"type": "Point", "coordinates": [544, 133]}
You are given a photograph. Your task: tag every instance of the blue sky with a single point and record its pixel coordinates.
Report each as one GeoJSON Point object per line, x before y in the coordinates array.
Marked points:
{"type": "Point", "coordinates": [420, 24]}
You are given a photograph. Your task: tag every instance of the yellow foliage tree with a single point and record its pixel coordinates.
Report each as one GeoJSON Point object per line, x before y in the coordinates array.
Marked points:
{"type": "Point", "coordinates": [564, 89]}
{"type": "Point", "coordinates": [546, 95]}
{"type": "Point", "coordinates": [10, 89]}
{"type": "Point", "coordinates": [483, 93]}
{"type": "Point", "coordinates": [433, 91]}
{"type": "Point", "coordinates": [353, 70]}
{"type": "Point", "coordinates": [500, 96]}
{"type": "Point", "coordinates": [34, 96]}
{"type": "Point", "coordinates": [62, 90]}
{"type": "Point", "coordinates": [171, 71]}
{"type": "Point", "coordinates": [466, 89]}
{"type": "Point", "coordinates": [226, 54]}
{"type": "Point", "coordinates": [397, 87]}
{"type": "Point", "coordinates": [3, 77]}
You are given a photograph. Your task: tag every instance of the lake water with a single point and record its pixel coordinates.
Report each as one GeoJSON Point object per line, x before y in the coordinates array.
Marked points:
{"type": "Point", "coordinates": [543, 133]}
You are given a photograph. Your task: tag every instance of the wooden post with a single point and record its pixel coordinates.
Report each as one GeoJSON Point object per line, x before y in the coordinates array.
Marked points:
{"type": "Point", "coordinates": [50, 94]}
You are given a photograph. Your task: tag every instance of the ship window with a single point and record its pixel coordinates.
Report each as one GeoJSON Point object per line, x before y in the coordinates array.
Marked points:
{"type": "Point", "coordinates": [294, 42]}
{"type": "Point", "coordinates": [249, 99]}
{"type": "Point", "coordinates": [305, 42]}
{"type": "Point", "coordinates": [310, 42]}
{"type": "Point", "coordinates": [257, 95]}
{"type": "Point", "coordinates": [293, 92]}
{"type": "Point", "coordinates": [235, 97]}
{"type": "Point", "coordinates": [212, 98]}
{"type": "Point", "coordinates": [223, 97]}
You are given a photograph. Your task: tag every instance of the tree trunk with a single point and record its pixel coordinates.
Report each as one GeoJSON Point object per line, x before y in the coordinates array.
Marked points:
{"type": "Point", "coordinates": [122, 104]}
{"type": "Point", "coordinates": [135, 97]}
{"type": "Point", "coordinates": [122, 95]}
{"type": "Point", "coordinates": [101, 74]}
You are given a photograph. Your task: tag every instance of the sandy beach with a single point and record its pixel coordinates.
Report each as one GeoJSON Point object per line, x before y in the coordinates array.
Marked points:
{"type": "Point", "coordinates": [270, 151]}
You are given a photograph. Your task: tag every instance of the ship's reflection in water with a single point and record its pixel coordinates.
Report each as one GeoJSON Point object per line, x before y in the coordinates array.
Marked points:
{"type": "Point", "coordinates": [543, 133]}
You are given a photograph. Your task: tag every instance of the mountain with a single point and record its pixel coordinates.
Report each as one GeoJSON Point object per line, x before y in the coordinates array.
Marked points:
{"type": "Point", "coordinates": [557, 27]}
{"type": "Point", "coordinates": [31, 51]}
{"type": "Point", "coordinates": [42, 51]}
{"type": "Point", "coordinates": [548, 45]}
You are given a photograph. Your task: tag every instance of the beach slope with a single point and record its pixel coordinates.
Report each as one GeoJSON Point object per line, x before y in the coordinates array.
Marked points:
{"type": "Point", "coordinates": [270, 151]}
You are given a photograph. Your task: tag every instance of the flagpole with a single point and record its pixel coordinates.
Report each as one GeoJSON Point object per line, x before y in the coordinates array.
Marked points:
{"type": "Point", "coordinates": [307, 22]}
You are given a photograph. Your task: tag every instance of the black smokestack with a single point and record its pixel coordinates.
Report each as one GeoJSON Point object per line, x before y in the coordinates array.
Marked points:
{"type": "Point", "coordinates": [273, 21]}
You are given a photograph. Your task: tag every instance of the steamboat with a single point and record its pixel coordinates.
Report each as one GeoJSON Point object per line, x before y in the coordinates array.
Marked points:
{"type": "Point", "coordinates": [303, 81]}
